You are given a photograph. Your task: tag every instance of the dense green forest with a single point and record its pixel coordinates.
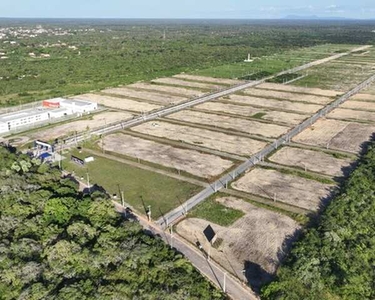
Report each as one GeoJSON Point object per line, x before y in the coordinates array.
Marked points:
{"type": "Point", "coordinates": [336, 260]}
{"type": "Point", "coordinates": [86, 55]}
{"type": "Point", "coordinates": [56, 243]}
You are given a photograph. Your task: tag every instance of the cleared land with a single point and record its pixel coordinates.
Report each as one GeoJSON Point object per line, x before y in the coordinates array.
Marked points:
{"type": "Point", "coordinates": [208, 79]}
{"type": "Point", "coordinates": [349, 114]}
{"type": "Point", "coordinates": [145, 95]}
{"type": "Point", "coordinates": [315, 161]}
{"type": "Point", "coordinates": [365, 97]}
{"type": "Point", "coordinates": [166, 89]}
{"type": "Point", "coordinates": [179, 82]}
{"type": "Point", "coordinates": [260, 237]}
{"type": "Point", "coordinates": [290, 189]}
{"type": "Point", "coordinates": [288, 96]}
{"type": "Point", "coordinates": [193, 162]}
{"type": "Point", "coordinates": [247, 126]}
{"type": "Point", "coordinates": [201, 137]}
{"type": "Point", "coordinates": [119, 103]}
{"type": "Point", "coordinates": [335, 134]}
{"type": "Point", "coordinates": [361, 105]}
{"type": "Point", "coordinates": [297, 89]}
{"type": "Point", "coordinates": [275, 104]}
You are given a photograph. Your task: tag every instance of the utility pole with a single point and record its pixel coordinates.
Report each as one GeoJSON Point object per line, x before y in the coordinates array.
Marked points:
{"type": "Point", "coordinates": [122, 198]}
{"type": "Point", "coordinates": [149, 213]}
{"type": "Point", "coordinates": [225, 281]}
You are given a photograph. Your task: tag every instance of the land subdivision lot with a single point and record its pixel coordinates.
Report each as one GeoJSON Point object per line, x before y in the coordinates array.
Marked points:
{"type": "Point", "coordinates": [364, 97]}
{"type": "Point", "coordinates": [146, 95]}
{"type": "Point", "coordinates": [361, 105]}
{"type": "Point", "coordinates": [221, 81]}
{"type": "Point", "coordinates": [316, 161]}
{"type": "Point", "coordinates": [340, 135]}
{"type": "Point", "coordinates": [297, 89]}
{"type": "Point", "coordinates": [290, 189]}
{"type": "Point", "coordinates": [172, 90]}
{"type": "Point", "coordinates": [119, 103]}
{"type": "Point", "coordinates": [190, 161]}
{"type": "Point", "coordinates": [297, 107]}
{"type": "Point", "coordinates": [350, 114]}
{"type": "Point", "coordinates": [259, 238]}
{"type": "Point", "coordinates": [202, 137]}
{"type": "Point", "coordinates": [190, 84]}
{"type": "Point", "coordinates": [242, 125]}
{"type": "Point", "coordinates": [288, 96]}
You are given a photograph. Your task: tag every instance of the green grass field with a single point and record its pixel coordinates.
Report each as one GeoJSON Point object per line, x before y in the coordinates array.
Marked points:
{"type": "Point", "coordinates": [141, 188]}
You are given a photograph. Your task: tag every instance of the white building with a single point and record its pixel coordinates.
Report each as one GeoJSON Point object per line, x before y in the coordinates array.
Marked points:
{"type": "Point", "coordinates": [21, 118]}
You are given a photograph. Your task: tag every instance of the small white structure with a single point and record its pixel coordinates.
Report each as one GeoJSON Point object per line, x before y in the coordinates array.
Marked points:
{"type": "Point", "coordinates": [248, 58]}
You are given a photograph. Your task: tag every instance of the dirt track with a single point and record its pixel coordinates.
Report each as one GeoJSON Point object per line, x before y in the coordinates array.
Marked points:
{"type": "Point", "coordinates": [297, 89]}
{"type": "Point", "coordinates": [208, 79]}
{"type": "Point", "coordinates": [167, 89]}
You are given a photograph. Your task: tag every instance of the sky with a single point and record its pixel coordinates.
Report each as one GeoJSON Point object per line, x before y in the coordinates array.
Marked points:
{"type": "Point", "coordinates": [226, 9]}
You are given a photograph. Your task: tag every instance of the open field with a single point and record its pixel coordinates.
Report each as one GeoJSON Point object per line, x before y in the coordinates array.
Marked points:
{"type": "Point", "coordinates": [297, 89]}
{"type": "Point", "coordinates": [249, 111]}
{"type": "Point", "coordinates": [201, 137]}
{"type": "Point", "coordinates": [185, 83]}
{"type": "Point", "coordinates": [288, 96]}
{"type": "Point", "coordinates": [247, 126]}
{"type": "Point", "coordinates": [349, 114]}
{"type": "Point", "coordinates": [316, 161]}
{"type": "Point", "coordinates": [146, 95]}
{"type": "Point", "coordinates": [257, 242]}
{"type": "Point", "coordinates": [172, 90]}
{"type": "Point", "coordinates": [190, 161]}
{"type": "Point", "coordinates": [364, 97]}
{"type": "Point", "coordinates": [341, 135]}
{"type": "Point", "coordinates": [220, 81]}
{"type": "Point", "coordinates": [275, 104]}
{"type": "Point", "coordinates": [119, 103]}
{"type": "Point", "coordinates": [290, 189]}
{"type": "Point", "coordinates": [361, 105]}
{"type": "Point", "coordinates": [111, 175]}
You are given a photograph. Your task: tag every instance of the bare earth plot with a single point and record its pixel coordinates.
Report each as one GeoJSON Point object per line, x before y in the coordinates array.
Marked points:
{"type": "Point", "coordinates": [191, 161]}
{"type": "Point", "coordinates": [166, 89]}
{"type": "Point", "coordinates": [364, 97]}
{"type": "Point", "coordinates": [276, 104]}
{"type": "Point", "coordinates": [349, 114]}
{"type": "Point", "coordinates": [297, 89]}
{"type": "Point", "coordinates": [288, 96]}
{"type": "Point", "coordinates": [202, 137]}
{"type": "Point", "coordinates": [180, 82]}
{"type": "Point", "coordinates": [361, 105]}
{"type": "Point", "coordinates": [146, 95]}
{"type": "Point", "coordinates": [258, 237]}
{"type": "Point", "coordinates": [285, 188]}
{"type": "Point", "coordinates": [247, 126]}
{"type": "Point", "coordinates": [341, 135]}
{"type": "Point", "coordinates": [119, 103]}
{"type": "Point", "coordinates": [208, 79]}
{"type": "Point", "coordinates": [315, 161]}
{"type": "Point", "coordinates": [66, 129]}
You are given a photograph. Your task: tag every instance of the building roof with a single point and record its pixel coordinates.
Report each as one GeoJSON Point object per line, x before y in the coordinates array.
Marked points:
{"type": "Point", "coordinates": [76, 102]}
{"type": "Point", "coordinates": [21, 114]}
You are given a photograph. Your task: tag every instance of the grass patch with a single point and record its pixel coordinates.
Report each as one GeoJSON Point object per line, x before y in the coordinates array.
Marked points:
{"type": "Point", "coordinates": [284, 78]}
{"type": "Point", "coordinates": [259, 115]}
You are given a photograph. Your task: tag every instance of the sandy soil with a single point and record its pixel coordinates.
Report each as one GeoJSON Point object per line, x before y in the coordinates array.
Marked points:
{"type": "Point", "coordinates": [208, 79]}
{"type": "Point", "coordinates": [119, 103]}
{"type": "Point", "coordinates": [315, 161]}
{"type": "Point", "coordinates": [286, 188]}
{"type": "Point", "coordinates": [285, 117]}
{"type": "Point", "coordinates": [247, 126]}
{"type": "Point", "coordinates": [66, 129]}
{"type": "Point", "coordinates": [297, 89]}
{"type": "Point", "coordinates": [367, 97]}
{"type": "Point", "coordinates": [260, 237]}
{"type": "Point", "coordinates": [288, 96]}
{"type": "Point", "coordinates": [361, 105]}
{"type": "Point", "coordinates": [167, 89]}
{"type": "Point", "coordinates": [349, 114]}
{"type": "Point", "coordinates": [146, 95]}
{"type": "Point", "coordinates": [201, 137]}
{"type": "Point", "coordinates": [180, 82]}
{"type": "Point", "coordinates": [193, 162]}
{"type": "Point", "coordinates": [275, 104]}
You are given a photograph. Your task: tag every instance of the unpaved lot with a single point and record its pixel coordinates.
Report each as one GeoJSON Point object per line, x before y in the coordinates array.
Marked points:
{"type": "Point", "coordinates": [315, 161]}
{"type": "Point", "coordinates": [179, 91]}
{"type": "Point", "coordinates": [180, 82]}
{"type": "Point", "coordinates": [191, 161]}
{"type": "Point", "coordinates": [275, 104]}
{"type": "Point", "coordinates": [261, 237]}
{"type": "Point", "coordinates": [247, 126]}
{"type": "Point", "coordinates": [297, 89]}
{"type": "Point", "coordinates": [288, 96]}
{"type": "Point", "coordinates": [119, 103]}
{"type": "Point", "coordinates": [286, 188]}
{"type": "Point", "coordinates": [349, 114]}
{"type": "Point", "coordinates": [146, 95]}
{"type": "Point", "coordinates": [361, 105]}
{"type": "Point", "coordinates": [366, 97]}
{"type": "Point", "coordinates": [67, 129]}
{"type": "Point", "coordinates": [208, 79]}
{"type": "Point", "coordinates": [202, 137]}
